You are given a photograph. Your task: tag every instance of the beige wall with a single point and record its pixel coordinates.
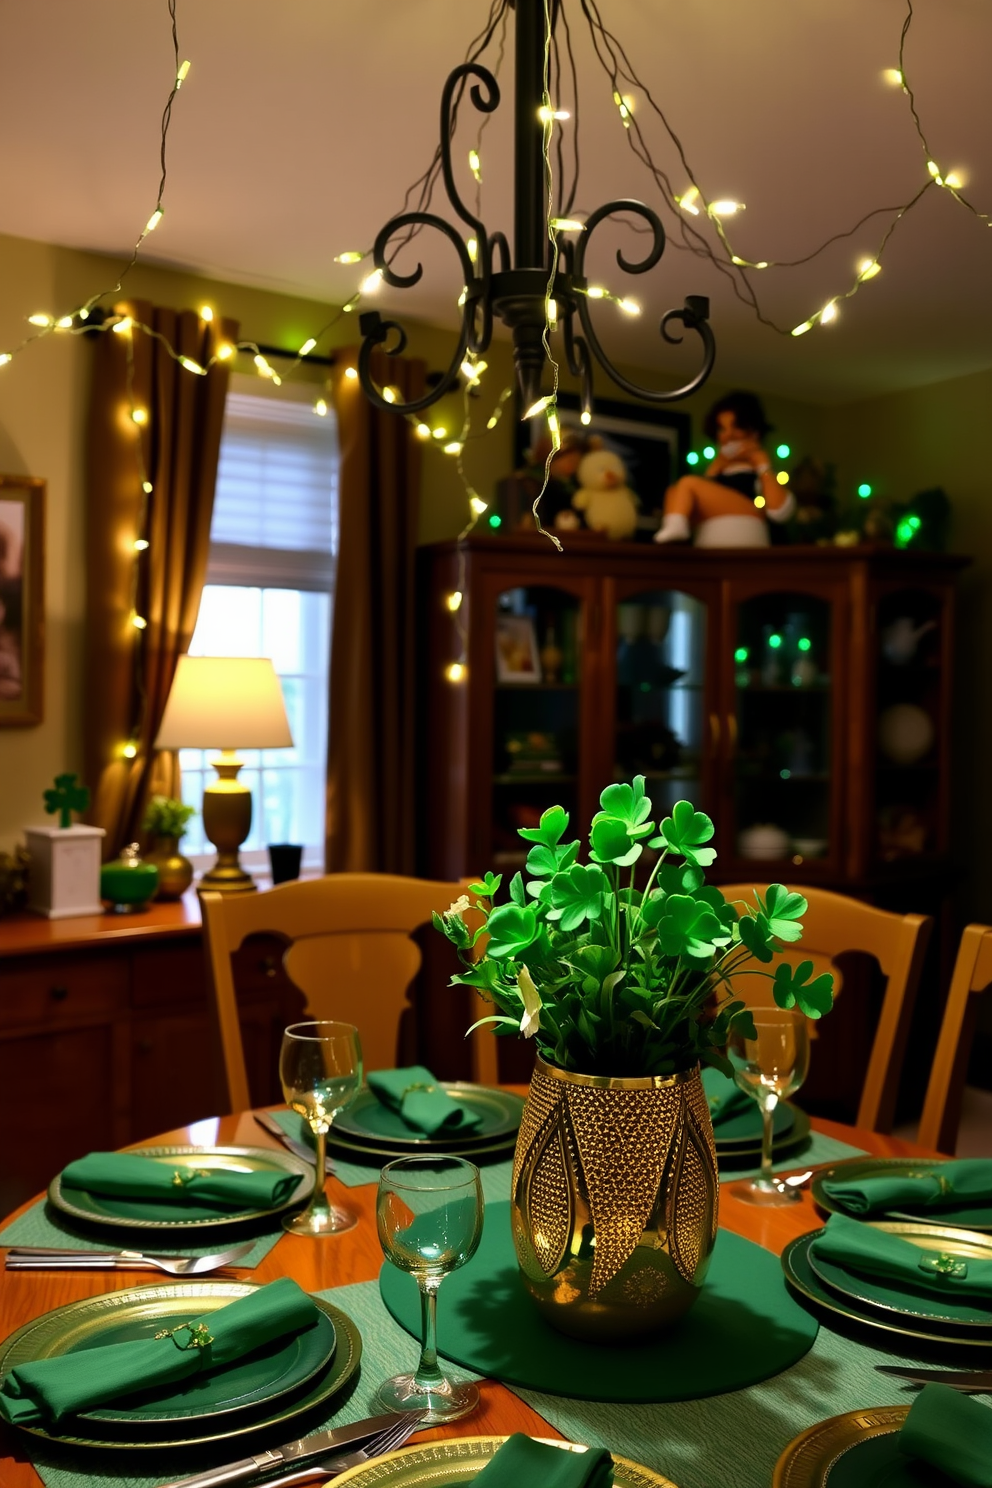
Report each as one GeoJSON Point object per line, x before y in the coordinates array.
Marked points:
{"type": "Point", "coordinates": [43, 398]}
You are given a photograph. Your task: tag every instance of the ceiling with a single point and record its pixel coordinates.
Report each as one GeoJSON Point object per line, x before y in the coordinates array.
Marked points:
{"type": "Point", "coordinates": [302, 123]}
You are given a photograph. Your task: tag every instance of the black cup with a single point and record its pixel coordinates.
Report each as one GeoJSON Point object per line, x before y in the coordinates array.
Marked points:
{"type": "Point", "coordinates": [285, 858]}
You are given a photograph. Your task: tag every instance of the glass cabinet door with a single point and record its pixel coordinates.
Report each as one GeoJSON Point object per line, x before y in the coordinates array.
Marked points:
{"type": "Point", "coordinates": [536, 713]}
{"type": "Point", "coordinates": [661, 637]}
{"type": "Point", "coordinates": [780, 744]}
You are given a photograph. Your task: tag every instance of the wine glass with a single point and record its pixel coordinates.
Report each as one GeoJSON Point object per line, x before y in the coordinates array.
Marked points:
{"type": "Point", "coordinates": [429, 1213]}
{"type": "Point", "coordinates": [320, 1068]}
{"type": "Point", "coordinates": [770, 1067]}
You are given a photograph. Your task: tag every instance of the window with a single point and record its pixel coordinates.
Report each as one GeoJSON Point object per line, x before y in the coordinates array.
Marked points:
{"type": "Point", "coordinates": [269, 588]}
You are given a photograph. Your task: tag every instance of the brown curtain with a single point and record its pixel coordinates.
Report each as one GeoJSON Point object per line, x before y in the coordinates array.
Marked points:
{"type": "Point", "coordinates": [129, 672]}
{"type": "Point", "coordinates": [370, 766]}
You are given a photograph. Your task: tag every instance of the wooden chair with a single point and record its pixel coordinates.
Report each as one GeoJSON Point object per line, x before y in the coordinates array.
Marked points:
{"type": "Point", "coordinates": [832, 925]}
{"type": "Point", "coordinates": [350, 954]}
{"type": "Point", "coordinates": [972, 975]}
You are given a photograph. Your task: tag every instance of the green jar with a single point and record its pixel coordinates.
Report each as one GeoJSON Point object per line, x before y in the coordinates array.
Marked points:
{"type": "Point", "coordinates": [128, 883]}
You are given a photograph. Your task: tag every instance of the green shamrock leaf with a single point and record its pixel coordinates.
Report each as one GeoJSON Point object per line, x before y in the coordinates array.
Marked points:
{"type": "Point", "coordinates": [553, 823]}
{"type": "Point", "coordinates": [679, 878]}
{"type": "Point", "coordinates": [684, 832]}
{"type": "Point", "coordinates": [610, 842]}
{"type": "Point", "coordinates": [512, 928]}
{"type": "Point", "coordinates": [627, 804]}
{"type": "Point", "coordinates": [488, 887]}
{"type": "Point", "coordinates": [577, 895]}
{"type": "Point", "coordinates": [725, 912]}
{"type": "Point", "coordinates": [595, 966]}
{"type": "Point", "coordinates": [517, 891]}
{"type": "Point", "coordinates": [689, 928]}
{"type": "Point", "coordinates": [756, 935]}
{"type": "Point", "coordinates": [782, 910]}
{"type": "Point", "coordinates": [792, 988]}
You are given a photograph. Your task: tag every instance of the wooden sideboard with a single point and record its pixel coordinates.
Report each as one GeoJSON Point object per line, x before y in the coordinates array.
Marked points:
{"type": "Point", "coordinates": [107, 1033]}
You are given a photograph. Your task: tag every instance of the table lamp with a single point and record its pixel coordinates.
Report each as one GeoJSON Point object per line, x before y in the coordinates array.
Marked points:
{"type": "Point", "coordinates": [226, 703]}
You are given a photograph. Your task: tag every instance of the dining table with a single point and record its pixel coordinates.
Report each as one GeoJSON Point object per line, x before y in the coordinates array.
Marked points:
{"type": "Point", "coordinates": [355, 1256]}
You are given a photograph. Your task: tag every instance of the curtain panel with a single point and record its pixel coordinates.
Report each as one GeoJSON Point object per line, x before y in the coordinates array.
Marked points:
{"type": "Point", "coordinates": [128, 672]}
{"type": "Point", "coordinates": [371, 748]}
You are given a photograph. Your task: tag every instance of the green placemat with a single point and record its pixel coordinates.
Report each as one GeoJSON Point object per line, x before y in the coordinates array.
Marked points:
{"type": "Point", "coordinates": [43, 1225]}
{"type": "Point", "coordinates": [744, 1327]}
{"type": "Point", "coordinates": [818, 1149]}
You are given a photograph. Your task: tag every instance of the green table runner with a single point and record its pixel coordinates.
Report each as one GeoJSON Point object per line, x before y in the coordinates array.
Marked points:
{"type": "Point", "coordinates": [744, 1327]}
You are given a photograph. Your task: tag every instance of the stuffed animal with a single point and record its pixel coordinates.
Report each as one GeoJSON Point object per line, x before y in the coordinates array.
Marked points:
{"type": "Point", "coordinates": [609, 504]}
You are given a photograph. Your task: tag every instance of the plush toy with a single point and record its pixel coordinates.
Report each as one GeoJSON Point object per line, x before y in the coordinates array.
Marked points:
{"type": "Point", "coordinates": [609, 504]}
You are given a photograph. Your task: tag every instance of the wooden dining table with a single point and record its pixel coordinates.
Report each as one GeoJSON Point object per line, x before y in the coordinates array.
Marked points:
{"type": "Point", "coordinates": [355, 1256]}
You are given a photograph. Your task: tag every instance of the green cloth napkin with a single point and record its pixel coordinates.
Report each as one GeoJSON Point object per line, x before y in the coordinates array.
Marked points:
{"type": "Point", "coordinates": [415, 1095]}
{"type": "Point", "coordinates": [724, 1097]}
{"type": "Point", "coordinates": [49, 1389]}
{"type": "Point", "coordinates": [859, 1248]}
{"type": "Point", "coordinates": [126, 1175]}
{"type": "Point", "coordinates": [952, 1432]}
{"type": "Point", "coordinates": [937, 1187]}
{"type": "Point", "coordinates": [522, 1462]}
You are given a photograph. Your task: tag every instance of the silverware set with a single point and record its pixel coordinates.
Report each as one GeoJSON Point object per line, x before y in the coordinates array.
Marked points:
{"type": "Point", "coordinates": [971, 1382]}
{"type": "Point", "coordinates": [52, 1258]}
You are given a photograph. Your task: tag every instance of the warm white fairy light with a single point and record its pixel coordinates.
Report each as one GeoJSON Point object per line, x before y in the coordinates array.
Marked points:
{"type": "Point", "coordinates": [182, 75]}
{"type": "Point", "coordinates": [625, 107]}
{"type": "Point", "coordinates": [456, 671]}
{"type": "Point", "coordinates": [454, 600]}
{"type": "Point", "coordinates": [371, 282]}
{"type": "Point", "coordinates": [352, 256]}
{"type": "Point", "coordinates": [439, 433]}
{"type": "Point", "coordinates": [423, 431]}
{"type": "Point", "coordinates": [224, 351]}
{"type": "Point", "coordinates": [828, 313]}
{"type": "Point", "coordinates": [389, 394]}
{"type": "Point", "coordinates": [140, 544]}
{"type": "Point", "coordinates": [455, 447]}
{"type": "Point", "coordinates": [122, 327]}
{"type": "Point", "coordinates": [138, 621]}
{"type": "Point", "coordinates": [800, 330]}
{"type": "Point", "coordinates": [462, 297]}
{"type": "Point", "coordinates": [954, 179]}
{"type": "Point", "coordinates": [759, 502]}
{"type": "Point", "coordinates": [567, 224]}
{"type": "Point", "coordinates": [472, 370]}
{"type": "Point", "coordinates": [147, 487]}
{"type": "Point", "coordinates": [629, 306]}
{"type": "Point", "coordinates": [191, 366]}
{"type": "Point", "coordinates": [129, 750]}
{"type": "Point", "coordinates": [320, 408]}
{"type": "Point", "coordinates": [549, 115]}
{"type": "Point", "coordinates": [552, 313]}
{"type": "Point", "coordinates": [894, 77]}
{"type": "Point", "coordinates": [5, 357]}
{"type": "Point", "coordinates": [538, 407]}
{"type": "Point", "coordinates": [475, 164]}
{"type": "Point", "coordinates": [206, 313]}
{"type": "Point", "coordinates": [478, 505]}
{"type": "Point", "coordinates": [307, 346]}
{"type": "Point", "coordinates": [585, 417]}
{"type": "Point", "coordinates": [139, 415]}
{"type": "Point", "coordinates": [63, 323]}
{"type": "Point", "coordinates": [868, 268]}
{"type": "Point", "coordinates": [40, 319]}
{"type": "Point", "coordinates": [154, 220]}
{"type": "Point", "coordinates": [472, 247]}
{"type": "Point", "coordinates": [687, 201]}
{"type": "Point", "coordinates": [725, 208]}
{"type": "Point", "coordinates": [351, 374]}
{"type": "Point", "coordinates": [783, 477]}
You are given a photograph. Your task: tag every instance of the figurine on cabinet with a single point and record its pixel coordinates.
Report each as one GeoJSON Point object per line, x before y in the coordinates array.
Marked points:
{"type": "Point", "coordinates": [608, 503]}
{"type": "Point", "coordinates": [729, 505]}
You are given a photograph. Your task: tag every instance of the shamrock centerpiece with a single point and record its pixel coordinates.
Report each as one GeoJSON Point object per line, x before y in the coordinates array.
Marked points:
{"type": "Point", "coordinates": [66, 796]}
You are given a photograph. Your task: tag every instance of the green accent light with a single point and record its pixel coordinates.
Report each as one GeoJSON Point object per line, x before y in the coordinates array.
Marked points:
{"type": "Point", "coordinates": [785, 774]}
{"type": "Point", "coordinates": [709, 453]}
{"type": "Point", "coordinates": [864, 490]}
{"type": "Point", "coordinates": [915, 523]}
{"type": "Point", "coordinates": [775, 641]}
{"type": "Point", "coordinates": [804, 643]}
{"type": "Point", "coordinates": [692, 458]}
{"type": "Point", "coordinates": [783, 451]}
{"type": "Point", "coordinates": [905, 532]}
{"type": "Point", "coordinates": [645, 686]}
{"type": "Point", "coordinates": [495, 521]}
{"type": "Point", "coordinates": [741, 654]}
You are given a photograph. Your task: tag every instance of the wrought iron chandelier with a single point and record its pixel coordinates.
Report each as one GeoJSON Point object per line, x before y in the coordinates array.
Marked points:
{"type": "Point", "coordinates": [517, 287]}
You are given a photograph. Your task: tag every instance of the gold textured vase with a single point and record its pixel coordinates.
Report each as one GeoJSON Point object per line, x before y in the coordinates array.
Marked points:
{"type": "Point", "coordinates": [614, 1200]}
{"type": "Point", "coordinates": [175, 873]}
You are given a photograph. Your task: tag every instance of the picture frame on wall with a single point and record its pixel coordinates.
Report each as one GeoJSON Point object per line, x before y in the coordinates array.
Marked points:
{"type": "Point", "coordinates": [517, 656]}
{"type": "Point", "coordinates": [652, 442]}
{"type": "Point", "coordinates": [22, 600]}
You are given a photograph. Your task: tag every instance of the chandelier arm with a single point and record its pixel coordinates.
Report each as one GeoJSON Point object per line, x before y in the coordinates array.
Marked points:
{"type": "Point", "coordinates": [693, 315]}
{"type": "Point", "coordinates": [499, 248]}
{"type": "Point", "coordinates": [486, 102]}
{"type": "Point", "coordinates": [611, 209]}
{"type": "Point", "coordinates": [417, 219]}
{"type": "Point", "coordinates": [579, 363]}
{"type": "Point", "coordinates": [376, 332]}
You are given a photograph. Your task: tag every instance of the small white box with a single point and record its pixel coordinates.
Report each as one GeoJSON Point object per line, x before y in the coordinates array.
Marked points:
{"type": "Point", "coordinates": [64, 873]}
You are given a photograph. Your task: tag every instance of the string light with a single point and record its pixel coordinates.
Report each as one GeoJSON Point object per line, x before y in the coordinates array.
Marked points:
{"type": "Point", "coordinates": [800, 330]}
{"type": "Point", "coordinates": [390, 394]}
{"type": "Point", "coordinates": [140, 545]}
{"type": "Point", "coordinates": [147, 487]}
{"type": "Point", "coordinates": [783, 477]}
{"type": "Point", "coordinates": [371, 282]}
{"type": "Point", "coordinates": [472, 247]}
{"type": "Point", "coordinates": [864, 490]}
{"type": "Point", "coordinates": [725, 208]}
{"type": "Point", "coordinates": [154, 220]}
{"type": "Point", "coordinates": [868, 268]}
{"type": "Point", "coordinates": [320, 408]}
{"type": "Point", "coordinates": [552, 313]}
{"type": "Point", "coordinates": [454, 600]}
{"type": "Point", "coordinates": [454, 448]}
{"type": "Point", "coordinates": [625, 107]}
{"type": "Point", "coordinates": [307, 346]}
{"type": "Point", "coordinates": [129, 750]}
{"type": "Point", "coordinates": [138, 621]}
{"type": "Point", "coordinates": [709, 453]}
{"type": "Point", "coordinates": [456, 671]}
{"type": "Point", "coordinates": [182, 75]}
{"type": "Point", "coordinates": [40, 319]}
{"type": "Point", "coordinates": [475, 164]}
{"type": "Point", "coordinates": [5, 357]}
{"type": "Point", "coordinates": [139, 415]}
{"type": "Point", "coordinates": [893, 76]}
{"type": "Point", "coordinates": [191, 366]}
{"type": "Point", "coordinates": [422, 431]}
{"type": "Point", "coordinates": [759, 502]}
{"type": "Point", "coordinates": [478, 505]}
{"type": "Point", "coordinates": [352, 256]}
{"type": "Point", "coordinates": [783, 451]}
{"type": "Point", "coordinates": [828, 313]}
{"type": "Point", "coordinates": [439, 433]}
{"type": "Point", "coordinates": [687, 201]}
{"type": "Point", "coordinates": [567, 224]}
{"type": "Point", "coordinates": [629, 306]}
{"type": "Point", "coordinates": [122, 327]}
{"type": "Point", "coordinates": [596, 292]}
{"type": "Point", "coordinates": [351, 374]}
{"type": "Point", "coordinates": [538, 407]}
{"type": "Point", "coordinates": [206, 313]}
{"type": "Point", "coordinates": [63, 323]}
{"type": "Point", "coordinates": [224, 351]}
{"type": "Point", "coordinates": [585, 417]}
{"type": "Point", "coordinates": [692, 458]}
{"type": "Point", "coordinates": [549, 115]}
{"type": "Point", "coordinates": [473, 370]}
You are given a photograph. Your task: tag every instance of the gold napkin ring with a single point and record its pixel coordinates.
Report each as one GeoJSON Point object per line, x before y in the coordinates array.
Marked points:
{"type": "Point", "coordinates": [410, 1089]}
{"type": "Point", "coordinates": [944, 1264]}
{"type": "Point", "coordinates": [182, 1176]}
{"type": "Point", "coordinates": [200, 1336]}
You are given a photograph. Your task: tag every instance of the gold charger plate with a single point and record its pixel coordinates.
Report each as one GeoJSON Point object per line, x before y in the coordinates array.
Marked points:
{"type": "Point", "coordinates": [119, 1213]}
{"type": "Point", "coordinates": [64, 1328]}
{"type": "Point", "coordinates": [443, 1464]}
{"type": "Point", "coordinates": [808, 1459]}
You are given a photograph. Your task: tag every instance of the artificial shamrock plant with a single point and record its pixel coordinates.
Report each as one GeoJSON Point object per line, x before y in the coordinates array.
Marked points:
{"type": "Point", "coordinates": [613, 980]}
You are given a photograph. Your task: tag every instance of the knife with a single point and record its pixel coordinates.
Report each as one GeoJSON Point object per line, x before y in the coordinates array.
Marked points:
{"type": "Point", "coordinates": [298, 1149]}
{"type": "Point", "coordinates": [294, 1451]}
{"type": "Point", "coordinates": [978, 1383]}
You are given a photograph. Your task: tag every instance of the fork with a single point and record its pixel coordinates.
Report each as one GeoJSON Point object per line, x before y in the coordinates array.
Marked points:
{"type": "Point", "coordinates": [387, 1441]}
{"type": "Point", "coordinates": [51, 1258]}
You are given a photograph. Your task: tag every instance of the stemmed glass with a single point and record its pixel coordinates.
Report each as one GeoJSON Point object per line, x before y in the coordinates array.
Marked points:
{"type": "Point", "coordinates": [770, 1067]}
{"type": "Point", "coordinates": [429, 1214]}
{"type": "Point", "coordinates": [320, 1068]}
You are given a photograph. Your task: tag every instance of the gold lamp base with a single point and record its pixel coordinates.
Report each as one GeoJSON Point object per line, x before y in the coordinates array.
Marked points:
{"type": "Point", "coordinates": [227, 822]}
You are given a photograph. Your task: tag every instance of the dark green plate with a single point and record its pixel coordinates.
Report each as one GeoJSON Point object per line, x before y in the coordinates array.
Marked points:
{"type": "Point", "coordinates": [856, 1450]}
{"type": "Point", "coordinates": [372, 1156]}
{"type": "Point", "coordinates": [368, 1120]}
{"type": "Point", "coordinates": [958, 1216]}
{"type": "Point", "coordinates": [931, 1310]}
{"type": "Point", "coordinates": [746, 1155]}
{"type": "Point", "coordinates": [145, 1214]}
{"type": "Point", "coordinates": [801, 1276]}
{"type": "Point", "coordinates": [744, 1129]}
{"type": "Point", "coordinates": [296, 1389]}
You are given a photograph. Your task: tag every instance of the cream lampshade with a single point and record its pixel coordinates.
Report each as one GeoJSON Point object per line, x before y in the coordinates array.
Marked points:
{"type": "Point", "coordinates": [226, 703]}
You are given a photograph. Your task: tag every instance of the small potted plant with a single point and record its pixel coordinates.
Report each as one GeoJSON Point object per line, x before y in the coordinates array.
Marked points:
{"type": "Point", "coordinates": [165, 822]}
{"type": "Point", "coordinates": [625, 991]}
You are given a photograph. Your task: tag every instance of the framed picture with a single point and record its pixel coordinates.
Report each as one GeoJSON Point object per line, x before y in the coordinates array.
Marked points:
{"type": "Point", "coordinates": [517, 658]}
{"type": "Point", "coordinates": [22, 599]}
{"type": "Point", "coordinates": [652, 443]}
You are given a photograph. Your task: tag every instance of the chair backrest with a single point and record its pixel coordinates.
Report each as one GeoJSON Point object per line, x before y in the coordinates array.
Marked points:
{"type": "Point", "coordinates": [972, 975]}
{"type": "Point", "coordinates": [832, 925]}
{"type": "Point", "coordinates": [350, 954]}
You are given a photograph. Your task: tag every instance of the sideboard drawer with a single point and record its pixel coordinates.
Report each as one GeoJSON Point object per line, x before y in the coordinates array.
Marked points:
{"type": "Point", "coordinates": [37, 990]}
